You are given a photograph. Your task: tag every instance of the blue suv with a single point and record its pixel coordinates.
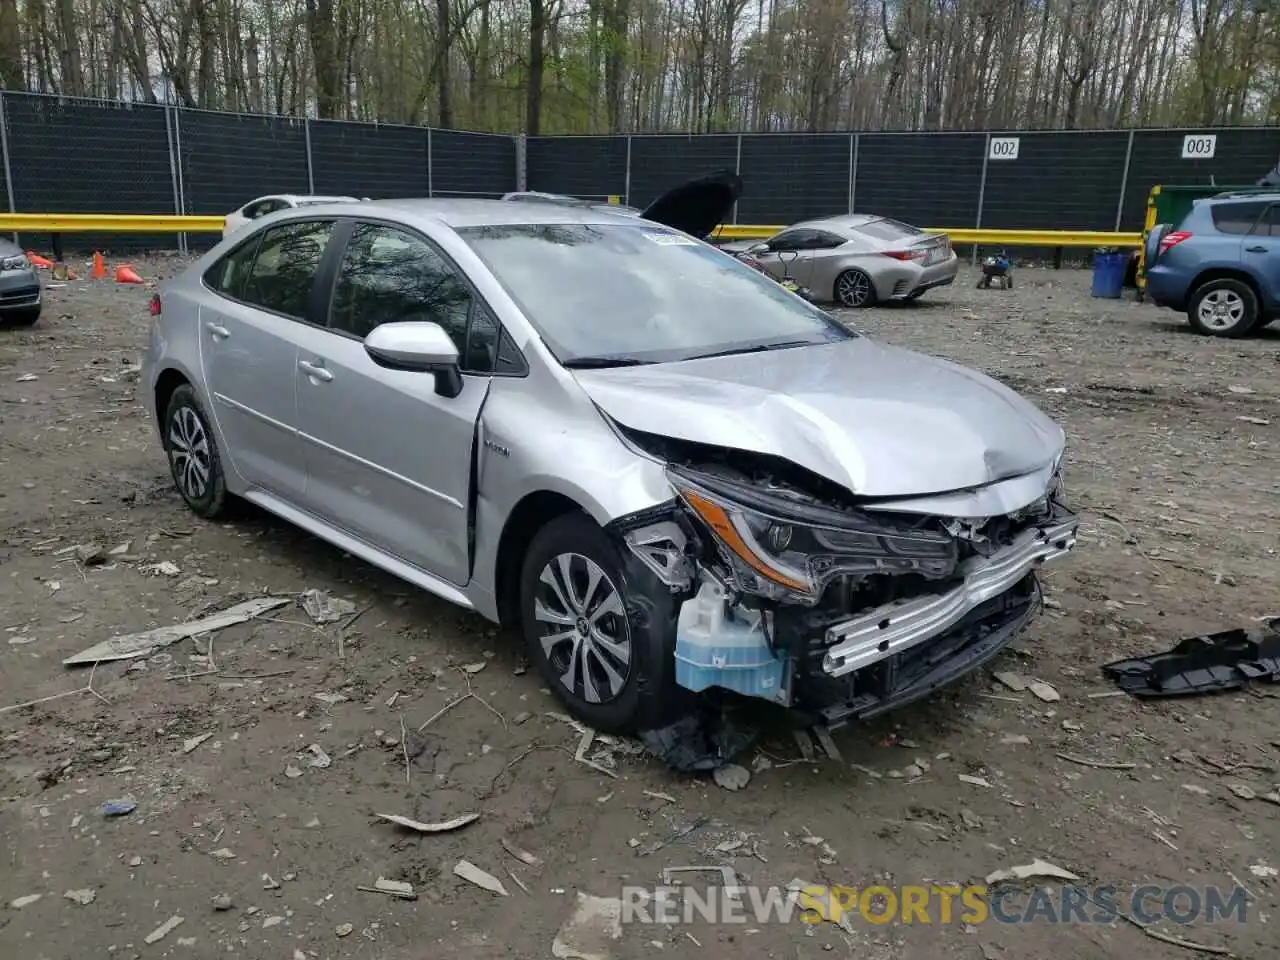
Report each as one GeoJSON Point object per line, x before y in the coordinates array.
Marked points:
{"type": "Point", "coordinates": [1221, 264]}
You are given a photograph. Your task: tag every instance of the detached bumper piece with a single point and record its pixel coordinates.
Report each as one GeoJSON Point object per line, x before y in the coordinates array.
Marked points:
{"type": "Point", "coordinates": [1206, 664]}
{"type": "Point", "coordinates": [895, 628]}
{"type": "Point", "coordinates": [925, 668]}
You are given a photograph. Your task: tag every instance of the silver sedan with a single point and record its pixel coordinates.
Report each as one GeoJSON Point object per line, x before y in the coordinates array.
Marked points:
{"type": "Point", "coordinates": [855, 260]}
{"type": "Point", "coordinates": [664, 470]}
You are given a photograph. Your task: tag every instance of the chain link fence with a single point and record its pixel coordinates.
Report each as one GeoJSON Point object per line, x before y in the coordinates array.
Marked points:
{"type": "Point", "coordinates": [64, 155]}
{"type": "Point", "coordinates": [1063, 180]}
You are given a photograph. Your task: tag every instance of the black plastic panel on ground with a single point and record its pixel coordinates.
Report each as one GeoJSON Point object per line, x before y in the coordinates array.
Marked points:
{"type": "Point", "coordinates": [229, 159]}
{"type": "Point", "coordinates": [1059, 181]}
{"type": "Point", "coordinates": [792, 177]}
{"type": "Point", "coordinates": [88, 156]}
{"type": "Point", "coordinates": [925, 179]}
{"type": "Point", "coordinates": [593, 168]}
{"type": "Point", "coordinates": [368, 160]}
{"type": "Point", "coordinates": [661, 163]}
{"type": "Point", "coordinates": [472, 164]}
{"type": "Point", "coordinates": [1242, 156]}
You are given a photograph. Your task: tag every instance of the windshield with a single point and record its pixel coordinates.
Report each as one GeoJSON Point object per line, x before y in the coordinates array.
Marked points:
{"type": "Point", "coordinates": [641, 294]}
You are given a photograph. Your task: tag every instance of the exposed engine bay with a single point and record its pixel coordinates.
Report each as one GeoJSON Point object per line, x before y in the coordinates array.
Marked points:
{"type": "Point", "coordinates": [796, 591]}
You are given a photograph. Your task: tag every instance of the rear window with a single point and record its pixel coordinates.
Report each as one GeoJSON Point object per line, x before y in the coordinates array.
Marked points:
{"type": "Point", "coordinates": [887, 229]}
{"type": "Point", "coordinates": [1236, 217]}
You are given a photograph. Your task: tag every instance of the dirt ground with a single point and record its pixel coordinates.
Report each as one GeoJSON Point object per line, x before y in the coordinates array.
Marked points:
{"type": "Point", "coordinates": [1178, 495]}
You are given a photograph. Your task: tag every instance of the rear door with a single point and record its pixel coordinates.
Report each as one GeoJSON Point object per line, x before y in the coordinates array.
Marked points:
{"type": "Point", "coordinates": [389, 460]}
{"type": "Point", "coordinates": [1262, 255]}
{"type": "Point", "coordinates": [791, 253]}
{"type": "Point", "coordinates": [265, 297]}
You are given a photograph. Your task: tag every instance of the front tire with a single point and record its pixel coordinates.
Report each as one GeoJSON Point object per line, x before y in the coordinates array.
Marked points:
{"type": "Point", "coordinates": [1224, 308]}
{"type": "Point", "coordinates": [25, 317]}
{"type": "Point", "coordinates": [601, 632]}
{"type": "Point", "coordinates": [853, 288]}
{"type": "Point", "coordinates": [193, 455]}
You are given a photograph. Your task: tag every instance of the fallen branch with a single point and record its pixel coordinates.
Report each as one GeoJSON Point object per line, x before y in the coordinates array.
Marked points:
{"type": "Point", "coordinates": [87, 688]}
{"type": "Point", "coordinates": [469, 695]}
{"type": "Point", "coordinates": [1096, 764]}
{"type": "Point", "coordinates": [404, 747]}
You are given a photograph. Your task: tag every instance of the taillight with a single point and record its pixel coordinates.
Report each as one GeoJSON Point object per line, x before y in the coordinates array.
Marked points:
{"type": "Point", "coordinates": [907, 254]}
{"type": "Point", "coordinates": [153, 307]}
{"type": "Point", "coordinates": [1172, 239]}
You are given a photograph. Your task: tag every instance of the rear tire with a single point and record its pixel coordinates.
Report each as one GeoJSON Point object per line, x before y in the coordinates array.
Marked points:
{"type": "Point", "coordinates": [1224, 308]}
{"type": "Point", "coordinates": [853, 288]}
{"type": "Point", "coordinates": [601, 631]}
{"type": "Point", "coordinates": [193, 456]}
{"type": "Point", "coordinates": [26, 317]}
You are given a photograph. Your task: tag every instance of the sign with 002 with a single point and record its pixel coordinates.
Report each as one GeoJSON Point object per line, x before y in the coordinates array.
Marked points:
{"type": "Point", "coordinates": [1199, 146]}
{"type": "Point", "coordinates": [1003, 148]}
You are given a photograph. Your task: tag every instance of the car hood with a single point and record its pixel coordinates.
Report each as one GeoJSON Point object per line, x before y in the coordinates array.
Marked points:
{"type": "Point", "coordinates": [697, 207]}
{"type": "Point", "coordinates": [878, 420]}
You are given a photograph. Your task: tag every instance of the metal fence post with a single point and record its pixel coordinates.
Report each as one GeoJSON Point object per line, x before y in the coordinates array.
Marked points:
{"type": "Point", "coordinates": [8, 169]}
{"type": "Point", "coordinates": [737, 168]}
{"type": "Point", "coordinates": [173, 126]}
{"type": "Point", "coordinates": [626, 183]}
{"type": "Point", "coordinates": [311, 170]}
{"type": "Point", "coordinates": [982, 194]}
{"type": "Point", "coordinates": [430, 184]}
{"type": "Point", "coordinates": [522, 162]}
{"type": "Point", "coordinates": [854, 143]}
{"type": "Point", "coordinates": [1124, 181]}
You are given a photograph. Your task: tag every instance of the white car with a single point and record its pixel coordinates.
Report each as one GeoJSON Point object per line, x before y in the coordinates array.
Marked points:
{"type": "Point", "coordinates": [277, 201]}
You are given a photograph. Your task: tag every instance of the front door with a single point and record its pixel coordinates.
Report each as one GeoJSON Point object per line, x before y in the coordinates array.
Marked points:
{"type": "Point", "coordinates": [1262, 253]}
{"type": "Point", "coordinates": [249, 350]}
{"type": "Point", "coordinates": [388, 458]}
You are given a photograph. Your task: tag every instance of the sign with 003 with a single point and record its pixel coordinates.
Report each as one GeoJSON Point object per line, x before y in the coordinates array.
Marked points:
{"type": "Point", "coordinates": [1199, 146]}
{"type": "Point", "coordinates": [1003, 148]}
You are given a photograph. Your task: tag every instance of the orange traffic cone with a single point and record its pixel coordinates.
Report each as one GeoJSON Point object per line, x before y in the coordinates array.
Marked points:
{"type": "Point", "coordinates": [39, 261]}
{"type": "Point", "coordinates": [127, 274]}
{"type": "Point", "coordinates": [99, 271]}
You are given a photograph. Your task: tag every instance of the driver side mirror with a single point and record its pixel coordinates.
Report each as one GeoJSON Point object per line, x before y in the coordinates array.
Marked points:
{"type": "Point", "coordinates": [418, 346]}
{"type": "Point", "coordinates": [759, 248]}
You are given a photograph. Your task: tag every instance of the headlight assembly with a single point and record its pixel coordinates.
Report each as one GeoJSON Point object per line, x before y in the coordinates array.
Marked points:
{"type": "Point", "coordinates": [20, 262]}
{"type": "Point", "coordinates": [785, 548]}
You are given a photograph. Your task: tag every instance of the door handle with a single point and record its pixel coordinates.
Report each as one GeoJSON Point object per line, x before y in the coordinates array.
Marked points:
{"type": "Point", "coordinates": [315, 371]}
{"type": "Point", "coordinates": [1256, 249]}
{"type": "Point", "coordinates": [218, 331]}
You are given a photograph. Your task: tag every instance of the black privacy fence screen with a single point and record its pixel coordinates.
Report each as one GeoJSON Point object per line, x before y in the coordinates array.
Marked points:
{"type": "Point", "coordinates": [65, 155]}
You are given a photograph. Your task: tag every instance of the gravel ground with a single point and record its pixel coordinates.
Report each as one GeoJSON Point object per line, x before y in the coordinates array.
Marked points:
{"type": "Point", "coordinates": [1177, 491]}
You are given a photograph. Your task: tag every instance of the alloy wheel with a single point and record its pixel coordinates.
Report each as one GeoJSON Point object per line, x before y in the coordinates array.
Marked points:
{"type": "Point", "coordinates": [189, 453]}
{"type": "Point", "coordinates": [583, 627]}
{"type": "Point", "coordinates": [853, 288]}
{"type": "Point", "coordinates": [1221, 309]}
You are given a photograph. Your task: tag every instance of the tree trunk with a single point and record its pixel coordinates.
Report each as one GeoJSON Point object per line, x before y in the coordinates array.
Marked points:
{"type": "Point", "coordinates": [533, 81]}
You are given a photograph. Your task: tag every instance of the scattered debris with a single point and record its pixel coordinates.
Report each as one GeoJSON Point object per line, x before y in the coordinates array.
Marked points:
{"type": "Point", "coordinates": [1097, 764]}
{"type": "Point", "coordinates": [828, 744]}
{"type": "Point", "coordinates": [1015, 739]}
{"type": "Point", "coordinates": [1209, 663]}
{"type": "Point", "coordinates": [524, 856]}
{"type": "Point", "coordinates": [269, 882]}
{"type": "Point", "coordinates": [396, 887]}
{"type": "Point", "coordinates": [1257, 421]}
{"type": "Point", "coordinates": [1044, 691]}
{"type": "Point", "coordinates": [472, 874]}
{"type": "Point", "coordinates": [162, 569]}
{"type": "Point", "coordinates": [189, 745]}
{"type": "Point", "coordinates": [595, 923]}
{"type": "Point", "coordinates": [319, 759]}
{"type": "Point", "coordinates": [26, 901]}
{"type": "Point", "coordinates": [474, 668]}
{"type": "Point", "coordinates": [419, 827]}
{"type": "Point", "coordinates": [292, 772]}
{"type": "Point", "coordinates": [731, 776]}
{"type": "Point", "coordinates": [1241, 790]}
{"type": "Point", "coordinates": [1037, 868]}
{"type": "Point", "coordinates": [222, 902]}
{"type": "Point", "coordinates": [701, 740]}
{"type": "Point", "coordinates": [118, 808]}
{"type": "Point", "coordinates": [584, 743]}
{"type": "Point", "coordinates": [1262, 871]}
{"type": "Point", "coordinates": [976, 781]}
{"type": "Point", "coordinates": [223, 853]}
{"type": "Point", "coordinates": [162, 931]}
{"type": "Point", "coordinates": [331, 699]}
{"type": "Point", "coordinates": [658, 795]}
{"type": "Point", "coordinates": [83, 897]}
{"type": "Point", "coordinates": [343, 930]}
{"type": "Point", "coordinates": [322, 608]}
{"type": "Point", "coordinates": [142, 644]}
{"type": "Point", "coordinates": [1014, 681]}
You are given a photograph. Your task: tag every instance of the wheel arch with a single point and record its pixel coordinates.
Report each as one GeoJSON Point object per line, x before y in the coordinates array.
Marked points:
{"type": "Point", "coordinates": [167, 382]}
{"type": "Point", "coordinates": [530, 514]}
{"type": "Point", "coordinates": [1226, 273]}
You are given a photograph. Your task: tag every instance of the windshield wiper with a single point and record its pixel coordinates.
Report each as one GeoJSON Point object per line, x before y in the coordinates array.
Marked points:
{"type": "Point", "coordinates": [603, 361]}
{"type": "Point", "coordinates": [755, 348]}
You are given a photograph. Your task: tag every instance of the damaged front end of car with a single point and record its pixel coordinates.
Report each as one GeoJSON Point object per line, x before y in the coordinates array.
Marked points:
{"type": "Point", "coordinates": [795, 591]}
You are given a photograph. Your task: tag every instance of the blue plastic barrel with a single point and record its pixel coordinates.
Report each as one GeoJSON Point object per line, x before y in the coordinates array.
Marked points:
{"type": "Point", "coordinates": [1108, 275]}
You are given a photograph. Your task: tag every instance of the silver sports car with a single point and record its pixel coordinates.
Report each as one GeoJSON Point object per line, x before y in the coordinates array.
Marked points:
{"type": "Point", "coordinates": [664, 470]}
{"type": "Point", "coordinates": [855, 260]}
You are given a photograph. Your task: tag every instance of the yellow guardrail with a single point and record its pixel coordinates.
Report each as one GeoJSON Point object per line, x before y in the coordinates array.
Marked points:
{"type": "Point", "coordinates": [1006, 238]}
{"type": "Point", "coordinates": [131, 223]}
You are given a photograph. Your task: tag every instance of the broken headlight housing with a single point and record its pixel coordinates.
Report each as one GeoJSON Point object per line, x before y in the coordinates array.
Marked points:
{"type": "Point", "coordinates": [18, 262]}
{"type": "Point", "coordinates": [784, 546]}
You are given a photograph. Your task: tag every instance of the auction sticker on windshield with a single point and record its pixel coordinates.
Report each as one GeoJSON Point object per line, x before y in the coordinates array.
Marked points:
{"type": "Point", "coordinates": [671, 240]}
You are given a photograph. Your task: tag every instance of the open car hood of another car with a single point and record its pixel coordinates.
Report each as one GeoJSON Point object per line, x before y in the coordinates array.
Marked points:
{"type": "Point", "coordinates": [698, 206]}
{"type": "Point", "coordinates": [878, 420]}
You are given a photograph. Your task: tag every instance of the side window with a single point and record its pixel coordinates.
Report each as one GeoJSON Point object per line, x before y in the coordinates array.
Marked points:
{"type": "Point", "coordinates": [227, 276]}
{"type": "Point", "coordinates": [1236, 217]}
{"type": "Point", "coordinates": [826, 241]}
{"type": "Point", "coordinates": [1269, 225]}
{"type": "Point", "coordinates": [489, 348]}
{"type": "Point", "coordinates": [387, 275]}
{"type": "Point", "coordinates": [790, 240]}
{"type": "Point", "coordinates": [285, 269]}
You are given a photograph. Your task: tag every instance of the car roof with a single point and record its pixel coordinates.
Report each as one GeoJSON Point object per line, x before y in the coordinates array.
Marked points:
{"type": "Point", "coordinates": [312, 197]}
{"type": "Point", "coordinates": [459, 213]}
{"type": "Point", "coordinates": [840, 223]}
